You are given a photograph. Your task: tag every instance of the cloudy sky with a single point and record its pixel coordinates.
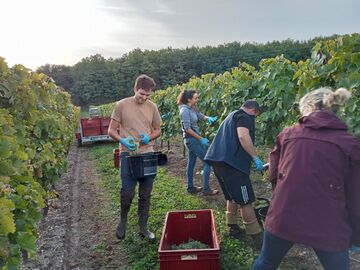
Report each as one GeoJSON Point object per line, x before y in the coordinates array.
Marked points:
{"type": "Point", "coordinates": [64, 31]}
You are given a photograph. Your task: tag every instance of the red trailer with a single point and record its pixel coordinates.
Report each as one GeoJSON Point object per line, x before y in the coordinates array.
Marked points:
{"type": "Point", "coordinates": [93, 130]}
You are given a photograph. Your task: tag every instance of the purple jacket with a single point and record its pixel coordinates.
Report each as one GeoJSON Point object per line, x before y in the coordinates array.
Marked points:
{"type": "Point", "coordinates": [316, 202]}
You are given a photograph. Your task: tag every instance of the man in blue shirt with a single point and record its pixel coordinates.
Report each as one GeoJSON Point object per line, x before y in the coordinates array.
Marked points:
{"type": "Point", "coordinates": [230, 154]}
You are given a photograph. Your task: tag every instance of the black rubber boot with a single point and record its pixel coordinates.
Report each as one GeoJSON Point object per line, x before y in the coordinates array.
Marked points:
{"type": "Point", "coordinates": [126, 198]}
{"type": "Point", "coordinates": [236, 232]}
{"type": "Point", "coordinates": [257, 240]}
{"type": "Point", "coordinates": [143, 212]}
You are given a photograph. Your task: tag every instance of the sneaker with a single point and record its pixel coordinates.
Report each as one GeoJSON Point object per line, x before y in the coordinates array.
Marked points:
{"type": "Point", "coordinates": [194, 189]}
{"type": "Point", "coordinates": [210, 192]}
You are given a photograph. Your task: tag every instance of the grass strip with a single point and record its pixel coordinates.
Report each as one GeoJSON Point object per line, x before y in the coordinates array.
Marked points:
{"type": "Point", "coordinates": [169, 194]}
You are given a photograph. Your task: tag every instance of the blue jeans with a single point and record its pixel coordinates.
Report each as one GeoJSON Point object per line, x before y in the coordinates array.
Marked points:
{"type": "Point", "coordinates": [127, 182]}
{"type": "Point", "coordinates": [196, 149]}
{"type": "Point", "coordinates": [274, 250]}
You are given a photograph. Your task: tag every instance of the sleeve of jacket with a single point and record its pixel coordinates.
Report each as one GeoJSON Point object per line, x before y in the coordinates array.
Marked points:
{"type": "Point", "coordinates": [185, 119]}
{"type": "Point", "coordinates": [353, 198]}
{"type": "Point", "coordinates": [274, 159]}
{"type": "Point", "coordinates": [200, 115]}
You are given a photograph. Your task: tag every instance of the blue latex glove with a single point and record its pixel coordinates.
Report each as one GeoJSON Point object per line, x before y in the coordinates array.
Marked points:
{"type": "Point", "coordinates": [204, 142]}
{"type": "Point", "coordinates": [212, 119]}
{"type": "Point", "coordinates": [144, 138]}
{"type": "Point", "coordinates": [258, 163]}
{"type": "Point", "coordinates": [355, 249]}
{"type": "Point", "coordinates": [129, 143]}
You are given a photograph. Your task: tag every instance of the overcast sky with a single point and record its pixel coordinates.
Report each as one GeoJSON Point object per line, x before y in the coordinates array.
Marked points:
{"type": "Point", "coordinates": [36, 32]}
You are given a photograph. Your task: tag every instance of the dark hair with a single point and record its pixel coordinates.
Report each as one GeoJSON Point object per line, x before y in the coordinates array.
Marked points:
{"type": "Point", "coordinates": [184, 96]}
{"type": "Point", "coordinates": [144, 82]}
{"type": "Point", "coordinates": [251, 104]}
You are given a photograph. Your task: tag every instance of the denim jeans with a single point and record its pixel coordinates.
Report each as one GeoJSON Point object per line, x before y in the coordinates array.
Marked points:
{"type": "Point", "coordinates": [127, 182]}
{"type": "Point", "coordinates": [274, 250]}
{"type": "Point", "coordinates": [196, 149]}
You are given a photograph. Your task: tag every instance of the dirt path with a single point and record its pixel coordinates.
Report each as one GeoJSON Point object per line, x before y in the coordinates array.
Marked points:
{"type": "Point", "coordinates": [77, 232]}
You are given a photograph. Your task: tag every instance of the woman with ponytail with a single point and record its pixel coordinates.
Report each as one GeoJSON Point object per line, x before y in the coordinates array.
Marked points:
{"type": "Point", "coordinates": [193, 140]}
{"type": "Point", "coordinates": [316, 202]}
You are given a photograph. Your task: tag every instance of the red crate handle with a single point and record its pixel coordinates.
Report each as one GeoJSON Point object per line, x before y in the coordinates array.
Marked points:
{"type": "Point", "coordinates": [189, 257]}
{"type": "Point", "coordinates": [190, 216]}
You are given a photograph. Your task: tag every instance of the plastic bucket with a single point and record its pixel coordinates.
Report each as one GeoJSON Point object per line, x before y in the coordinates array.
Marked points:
{"type": "Point", "coordinates": [261, 211]}
{"type": "Point", "coordinates": [162, 158]}
{"type": "Point", "coordinates": [143, 165]}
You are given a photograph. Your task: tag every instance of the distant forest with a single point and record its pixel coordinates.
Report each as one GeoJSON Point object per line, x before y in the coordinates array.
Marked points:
{"type": "Point", "coordinates": [96, 80]}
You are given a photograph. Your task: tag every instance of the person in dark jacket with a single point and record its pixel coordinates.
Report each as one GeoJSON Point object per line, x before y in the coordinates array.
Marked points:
{"type": "Point", "coordinates": [316, 202]}
{"type": "Point", "coordinates": [231, 154]}
{"type": "Point", "coordinates": [193, 140]}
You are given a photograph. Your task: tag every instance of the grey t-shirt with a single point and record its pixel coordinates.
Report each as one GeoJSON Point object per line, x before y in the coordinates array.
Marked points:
{"type": "Point", "coordinates": [188, 119]}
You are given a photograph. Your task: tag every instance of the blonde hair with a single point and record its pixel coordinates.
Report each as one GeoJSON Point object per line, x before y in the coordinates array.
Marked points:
{"type": "Point", "coordinates": [323, 99]}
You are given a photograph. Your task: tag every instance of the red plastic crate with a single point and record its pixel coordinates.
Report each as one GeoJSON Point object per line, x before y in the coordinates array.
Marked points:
{"type": "Point", "coordinates": [116, 153]}
{"type": "Point", "coordinates": [105, 123]}
{"type": "Point", "coordinates": [179, 227]}
{"type": "Point", "coordinates": [90, 127]}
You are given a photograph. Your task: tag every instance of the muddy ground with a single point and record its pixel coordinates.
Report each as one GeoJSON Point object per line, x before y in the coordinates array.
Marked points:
{"type": "Point", "coordinates": [75, 234]}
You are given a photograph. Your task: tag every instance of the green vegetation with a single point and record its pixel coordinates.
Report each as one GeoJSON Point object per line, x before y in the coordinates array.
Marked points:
{"type": "Point", "coordinates": [37, 124]}
{"type": "Point", "coordinates": [96, 80]}
{"type": "Point", "coordinates": [168, 195]}
{"type": "Point", "coordinates": [277, 84]}
{"type": "Point", "coordinates": [107, 109]}
{"type": "Point", "coordinates": [38, 121]}
{"type": "Point", "coordinates": [190, 244]}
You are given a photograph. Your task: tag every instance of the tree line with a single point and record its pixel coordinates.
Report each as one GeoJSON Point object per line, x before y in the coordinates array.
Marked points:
{"type": "Point", "coordinates": [96, 80]}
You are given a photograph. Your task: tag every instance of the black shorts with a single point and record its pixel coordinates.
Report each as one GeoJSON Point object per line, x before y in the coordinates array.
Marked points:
{"type": "Point", "coordinates": [235, 184]}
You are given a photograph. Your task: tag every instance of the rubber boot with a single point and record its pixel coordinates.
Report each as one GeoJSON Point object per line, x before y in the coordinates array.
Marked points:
{"type": "Point", "coordinates": [143, 212]}
{"type": "Point", "coordinates": [257, 240]}
{"type": "Point", "coordinates": [232, 221]}
{"type": "Point", "coordinates": [235, 231]}
{"type": "Point", "coordinates": [254, 230]}
{"type": "Point", "coordinates": [126, 197]}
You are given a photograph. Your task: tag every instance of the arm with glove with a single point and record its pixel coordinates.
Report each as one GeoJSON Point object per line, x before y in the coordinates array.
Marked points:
{"type": "Point", "coordinates": [247, 144]}
{"type": "Point", "coordinates": [211, 119]}
{"type": "Point", "coordinates": [128, 143]}
{"type": "Point", "coordinates": [145, 138]}
{"type": "Point", "coordinates": [186, 125]}
{"type": "Point", "coordinates": [203, 141]}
